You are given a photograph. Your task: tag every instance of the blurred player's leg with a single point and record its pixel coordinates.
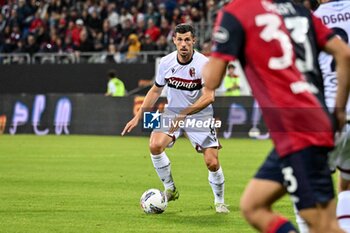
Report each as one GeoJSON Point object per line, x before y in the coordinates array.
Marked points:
{"type": "Point", "coordinates": [268, 183]}
{"type": "Point", "coordinates": [302, 225]}
{"type": "Point", "coordinates": [343, 210]}
{"type": "Point", "coordinates": [158, 142]}
{"type": "Point", "coordinates": [309, 182]}
{"type": "Point", "coordinates": [342, 159]}
{"type": "Point", "coordinates": [343, 206]}
{"type": "Point", "coordinates": [339, 158]}
{"type": "Point", "coordinates": [257, 208]}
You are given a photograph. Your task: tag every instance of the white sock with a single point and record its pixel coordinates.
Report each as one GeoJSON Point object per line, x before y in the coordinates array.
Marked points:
{"type": "Point", "coordinates": [343, 210]}
{"type": "Point", "coordinates": [217, 183]}
{"type": "Point", "coordinates": [162, 165]}
{"type": "Point", "coordinates": [302, 225]}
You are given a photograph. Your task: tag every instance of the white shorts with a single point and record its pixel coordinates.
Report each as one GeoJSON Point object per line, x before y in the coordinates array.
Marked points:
{"type": "Point", "coordinates": [200, 137]}
{"type": "Point", "coordinates": [340, 156]}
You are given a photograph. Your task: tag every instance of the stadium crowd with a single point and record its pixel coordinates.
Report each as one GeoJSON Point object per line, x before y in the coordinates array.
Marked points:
{"type": "Point", "coordinates": [118, 27]}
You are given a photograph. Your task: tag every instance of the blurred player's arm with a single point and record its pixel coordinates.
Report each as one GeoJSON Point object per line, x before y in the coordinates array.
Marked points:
{"type": "Point", "coordinates": [207, 97]}
{"type": "Point", "coordinates": [150, 99]}
{"type": "Point", "coordinates": [341, 53]}
{"type": "Point", "coordinates": [213, 72]}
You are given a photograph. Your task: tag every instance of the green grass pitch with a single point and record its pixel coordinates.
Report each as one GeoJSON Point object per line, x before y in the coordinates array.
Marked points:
{"type": "Point", "coordinates": [94, 183]}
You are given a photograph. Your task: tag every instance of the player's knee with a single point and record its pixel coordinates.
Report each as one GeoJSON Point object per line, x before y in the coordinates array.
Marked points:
{"type": "Point", "coordinates": [156, 147]}
{"type": "Point", "coordinates": [212, 164]}
{"type": "Point", "coordinates": [247, 209]}
{"type": "Point", "coordinates": [252, 210]}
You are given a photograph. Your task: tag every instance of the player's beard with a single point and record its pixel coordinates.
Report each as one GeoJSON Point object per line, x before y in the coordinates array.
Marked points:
{"type": "Point", "coordinates": [185, 55]}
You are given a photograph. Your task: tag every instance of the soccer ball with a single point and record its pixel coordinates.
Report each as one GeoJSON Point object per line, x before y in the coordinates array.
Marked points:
{"type": "Point", "coordinates": [153, 201]}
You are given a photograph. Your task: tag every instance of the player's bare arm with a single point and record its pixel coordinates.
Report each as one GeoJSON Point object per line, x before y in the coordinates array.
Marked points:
{"type": "Point", "coordinates": [150, 99]}
{"type": "Point", "coordinates": [207, 97]}
{"type": "Point", "coordinates": [213, 73]}
{"type": "Point", "coordinates": [341, 53]}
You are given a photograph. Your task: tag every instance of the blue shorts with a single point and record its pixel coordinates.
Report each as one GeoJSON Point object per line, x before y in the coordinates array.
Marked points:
{"type": "Point", "coordinates": [305, 174]}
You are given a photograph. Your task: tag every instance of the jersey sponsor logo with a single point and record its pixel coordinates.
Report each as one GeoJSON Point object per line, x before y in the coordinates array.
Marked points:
{"type": "Point", "coordinates": [192, 72]}
{"type": "Point", "coordinates": [220, 35]}
{"type": "Point", "coordinates": [184, 84]}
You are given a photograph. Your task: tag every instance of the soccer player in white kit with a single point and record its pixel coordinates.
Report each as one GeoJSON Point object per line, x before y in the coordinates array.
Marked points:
{"type": "Point", "coordinates": [336, 15]}
{"type": "Point", "coordinates": [188, 101]}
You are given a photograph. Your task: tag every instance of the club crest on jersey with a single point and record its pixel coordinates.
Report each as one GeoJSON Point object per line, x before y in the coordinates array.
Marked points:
{"type": "Point", "coordinates": [221, 35]}
{"type": "Point", "coordinates": [192, 72]}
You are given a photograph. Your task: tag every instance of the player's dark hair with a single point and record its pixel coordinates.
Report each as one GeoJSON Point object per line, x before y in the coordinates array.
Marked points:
{"type": "Point", "coordinates": [183, 28]}
{"type": "Point", "coordinates": [111, 73]}
{"type": "Point", "coordinates": [231, 66]}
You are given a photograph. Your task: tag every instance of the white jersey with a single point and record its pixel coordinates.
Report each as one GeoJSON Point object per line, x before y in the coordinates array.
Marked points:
{"type": "Point", "coordinates": [184, 81]}
{"type": "Point", "coordinates": [335, 15]}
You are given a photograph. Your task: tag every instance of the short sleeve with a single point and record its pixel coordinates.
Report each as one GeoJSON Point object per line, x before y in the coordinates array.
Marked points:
{"type": "Point", "coordinates": [228, 37]}
{"type": "Point", "coordinates": [160, 78]}
{"type": "Point", "coordinates": [323, 33]}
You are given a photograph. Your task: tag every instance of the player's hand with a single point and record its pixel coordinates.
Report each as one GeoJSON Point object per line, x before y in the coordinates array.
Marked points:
{"type": "Point", "coordinates": [130, 125]}
{"type": "Point", "coordinates": [340, 117]}
{"type": "Point", "coordinates": [175, 123]}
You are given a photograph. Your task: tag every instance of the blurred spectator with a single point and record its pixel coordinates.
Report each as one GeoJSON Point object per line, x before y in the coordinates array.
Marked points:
{"type": "Point", "coordinates": [31, 46]}
{"type": "Point", "coordinates": [94, 21]}
{"type": "Point", "coordinates": [162, 43]}
{"type": "Point", "coordinates": [15, 35]}
{"type": "Point", "coordinates": [23, 10]}
{"type": "Point", "coordinates": [124, 16]}
{"type": "Point", "coordinates": [148, 44]}
{"type": "Point", "coordinates": [13, 19]}
{"type": "Point", "coordinates": [113, 56]}
{"type": "Point", "coordinates": [140, 29]}
{"type": "Point", "coordinates": [8, 45]}
{"type": "Point", "coordinates": [133, 49]}
{"type": "Point", "coordinates": [195, 15]}
{"type": "Point", "coordinates": [165, 28]}
{"type": "Point", "coordinates": [78, 28]}
{"type": "Point", "coordinates": [86, 44]}
{"type": "Point", "coordinates": [163, 13]}
{"type": "Point", "coordinates": [2, 23]}
{"type": "Point", "coordinates": [137, 16]}
{"type": "Point", "coordinates": [152, 14]}
{"type": "Point", "coordinates": [127, 30]}
{"type": "Point", "coordinates": [53, 45]}
{"type": "Point", "coordinates": [152, 30]}
{"type": "Point", "coordinates": [42, 36]}
{"type": "Point", "coordinates": [61, 27]}
{"type": "Point", "coordinates": [106, 34]}
{"type": "Point", "coordinates": [20, 47]}
{"type": "Point", "coordinates": [177, 17]}
{"type": "Point", "coordinates": [36, 23]}
{"type": "Point", "coordinates": [113, 16]}
{"type": "Point", "coordinates": [68, 45]}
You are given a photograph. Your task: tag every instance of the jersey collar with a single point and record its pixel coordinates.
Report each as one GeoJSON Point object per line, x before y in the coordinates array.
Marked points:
{"type": "Point", "coordinates": [186, 63]}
